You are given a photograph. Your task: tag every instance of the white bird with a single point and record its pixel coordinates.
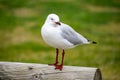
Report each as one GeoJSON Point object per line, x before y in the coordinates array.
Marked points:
{"type": "Point", "coordinates": [61, 36]}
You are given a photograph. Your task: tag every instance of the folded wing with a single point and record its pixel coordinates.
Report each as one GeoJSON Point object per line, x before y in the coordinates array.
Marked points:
{"type": "Point", "coordinates": [71, 35]}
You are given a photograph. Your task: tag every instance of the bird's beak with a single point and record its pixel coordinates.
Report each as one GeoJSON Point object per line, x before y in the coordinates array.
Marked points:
{"type": "Point", "coordinates": [58, 23]}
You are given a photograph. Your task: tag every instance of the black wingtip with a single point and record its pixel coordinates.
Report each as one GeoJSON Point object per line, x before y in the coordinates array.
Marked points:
{"type": "Point", "coordinates": [94, 42]}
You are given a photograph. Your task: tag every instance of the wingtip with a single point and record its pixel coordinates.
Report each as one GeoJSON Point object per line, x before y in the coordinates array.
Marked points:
{"type": "Point", "coordinates": [94, 42]}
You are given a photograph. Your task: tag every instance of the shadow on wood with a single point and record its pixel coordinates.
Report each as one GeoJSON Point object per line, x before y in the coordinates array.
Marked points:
{"type": "Point", "coordinates": [28, 71]}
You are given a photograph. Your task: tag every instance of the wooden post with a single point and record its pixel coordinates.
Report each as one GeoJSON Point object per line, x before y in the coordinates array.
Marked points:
{"type": "Point", "coordinates": [28, 71]}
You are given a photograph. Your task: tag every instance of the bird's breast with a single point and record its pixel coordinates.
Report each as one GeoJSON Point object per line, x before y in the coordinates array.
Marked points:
{"type": "Point", "coordinates": [52, 36]}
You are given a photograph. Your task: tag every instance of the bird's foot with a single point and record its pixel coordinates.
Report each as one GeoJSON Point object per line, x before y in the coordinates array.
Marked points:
{"type": "Point", "coordinates": [55, 64]}
{"type": "Point", "coordinates": [60, 67]}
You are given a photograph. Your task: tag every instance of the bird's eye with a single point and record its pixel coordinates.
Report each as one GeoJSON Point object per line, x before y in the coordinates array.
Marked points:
{"type": "Point", "coordinates": [52, 19]}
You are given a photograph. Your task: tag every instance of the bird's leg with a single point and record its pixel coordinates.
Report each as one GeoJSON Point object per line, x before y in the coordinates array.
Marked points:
{"type": "Point", "coordinates": [60, 67]}
{"type": "Point", "coordinates": [57, 52]}
{"type": "Point", "coordinates": [56, 62]}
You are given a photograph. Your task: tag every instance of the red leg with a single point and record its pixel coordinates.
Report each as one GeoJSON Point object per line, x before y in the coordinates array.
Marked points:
{"type": "Point", "coordinates": [60, 67]}
{"type": "Point", "coordinates": [56, 62]}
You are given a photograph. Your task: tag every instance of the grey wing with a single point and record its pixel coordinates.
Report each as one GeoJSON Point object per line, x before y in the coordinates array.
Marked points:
{"type": "Point", "coordinates": [69, 34]}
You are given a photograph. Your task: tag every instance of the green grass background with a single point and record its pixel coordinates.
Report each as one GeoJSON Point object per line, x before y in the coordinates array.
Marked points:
{"type": "Point", "coordinates": [99, 20]}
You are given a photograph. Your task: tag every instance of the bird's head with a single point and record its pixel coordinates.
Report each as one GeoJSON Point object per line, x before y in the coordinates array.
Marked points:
{"type": "Point", "coordinates": [53, 19]}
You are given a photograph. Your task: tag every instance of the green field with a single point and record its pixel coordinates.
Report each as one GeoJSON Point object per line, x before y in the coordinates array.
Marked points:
{"type": "Point", "coordinates": [98, 20]}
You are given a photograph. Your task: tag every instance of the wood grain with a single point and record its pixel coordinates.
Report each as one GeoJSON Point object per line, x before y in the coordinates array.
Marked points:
{"type": "Point", "coordinates": [30, 71]}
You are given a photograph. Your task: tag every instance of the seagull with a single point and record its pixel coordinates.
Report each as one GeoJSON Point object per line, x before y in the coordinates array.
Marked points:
{"type": "Point", "coordinates": [61, 36]}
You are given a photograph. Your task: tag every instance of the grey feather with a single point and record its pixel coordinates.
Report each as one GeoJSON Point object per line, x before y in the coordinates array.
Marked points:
{"type": "Point", "coordinates": [69, 34]}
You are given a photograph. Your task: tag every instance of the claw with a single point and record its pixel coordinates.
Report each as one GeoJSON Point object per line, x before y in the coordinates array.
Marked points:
{"type": "Point", "coordinates": [60, 67]}
{"type": "Point", "coordinates": [55, 64]}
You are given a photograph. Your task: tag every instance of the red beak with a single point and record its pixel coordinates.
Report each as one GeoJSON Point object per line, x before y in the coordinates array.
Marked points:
{"type": "Point", "coordinates": [58, 23]}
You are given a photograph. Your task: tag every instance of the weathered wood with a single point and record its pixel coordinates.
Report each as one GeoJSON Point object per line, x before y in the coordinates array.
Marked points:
{"type": "Point", "coordinates": [28, 71]}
